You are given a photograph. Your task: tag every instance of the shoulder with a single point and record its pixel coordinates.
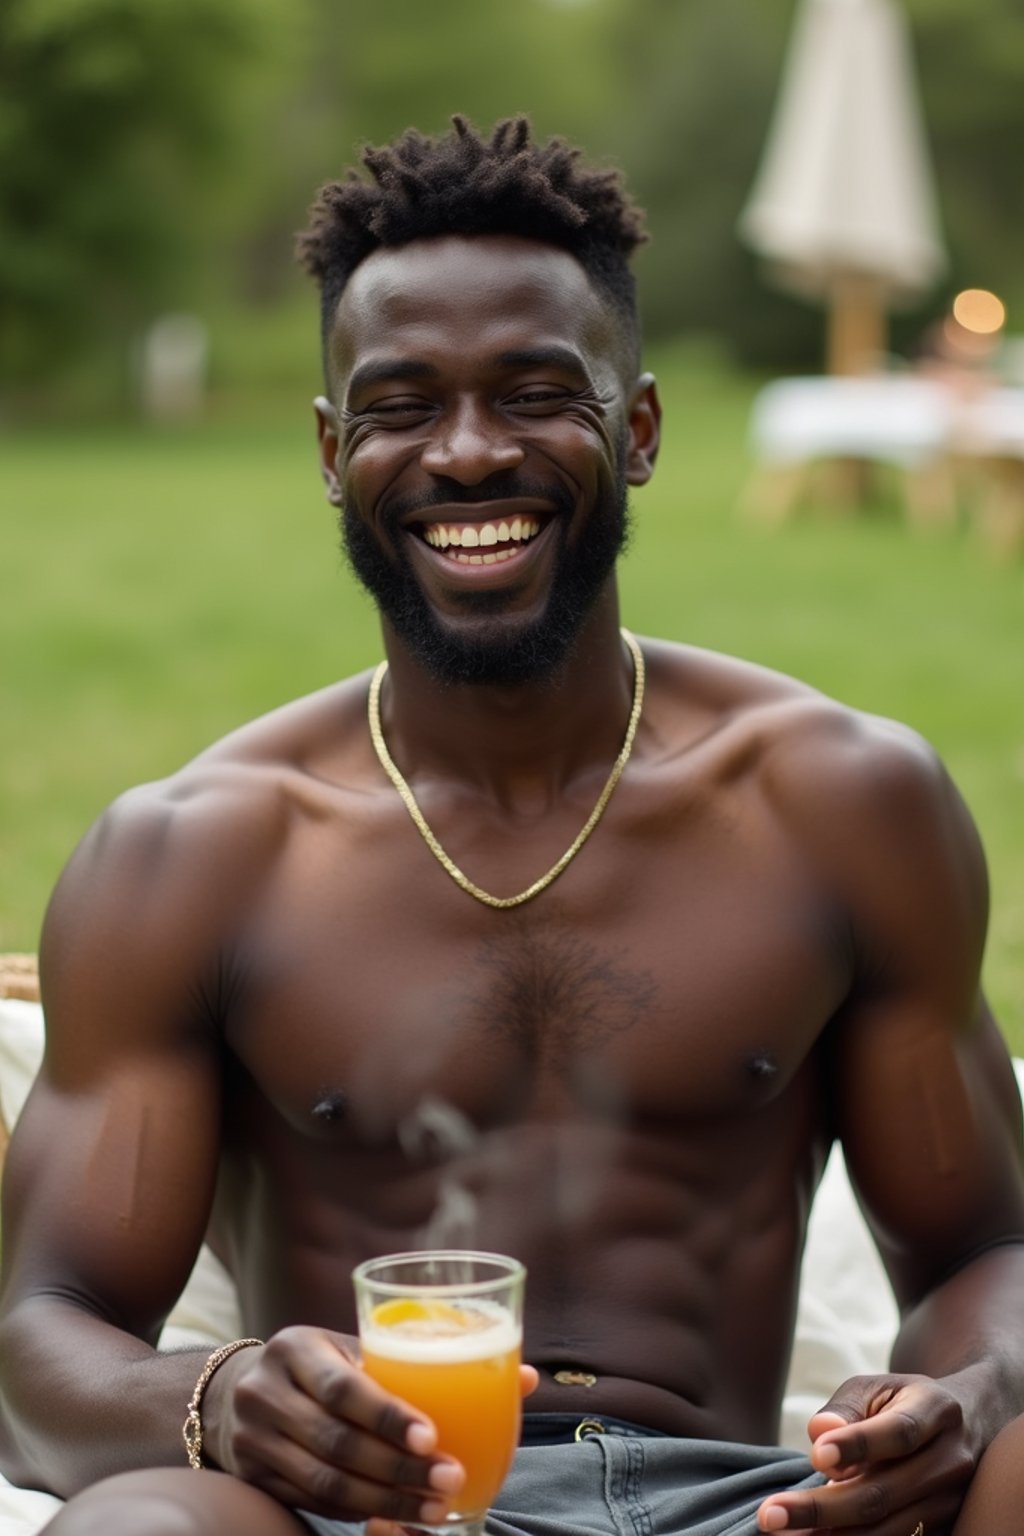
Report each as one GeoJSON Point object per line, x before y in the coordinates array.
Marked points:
{"type": "Point", "coordinates": [866, 800]}
{"type": "Point", "coordinates": [870, 790]}
{"type": "Point", "coordinates": [236, 795]}
{"type": "Point", "coordinates": [166, 873]}
{"type": "Point", "coordinates": [807, 752]}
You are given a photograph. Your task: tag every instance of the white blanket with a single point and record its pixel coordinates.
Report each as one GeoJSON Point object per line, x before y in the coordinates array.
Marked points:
{"type": "Point", "coordinates": [845, 1323]}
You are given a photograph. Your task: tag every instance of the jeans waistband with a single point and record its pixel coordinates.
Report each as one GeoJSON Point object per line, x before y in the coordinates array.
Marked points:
{"type": "Point", "coordinates": [564, 1428]}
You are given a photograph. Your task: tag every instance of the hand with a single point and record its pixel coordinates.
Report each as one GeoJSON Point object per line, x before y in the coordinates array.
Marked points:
{"type": "Point", "coordinates": [301, 1420]}
{"type": "Point", "coordinates": [897, 1450]}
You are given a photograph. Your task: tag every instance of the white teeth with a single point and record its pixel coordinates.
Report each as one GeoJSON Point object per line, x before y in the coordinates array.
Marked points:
{"type": "Point", "coordinates": [496, 557]}
{"type": "Point", "coordinates": [482, 535]}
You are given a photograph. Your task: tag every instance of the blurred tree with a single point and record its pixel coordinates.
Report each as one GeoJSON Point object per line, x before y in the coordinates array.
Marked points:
{"type": "Point", "coordinates": [153, 148]}
{"type": "Point", "coordinates": [371, 70]}
{"type": "Point", "coordinates": [971, 62]}
{"type": "Point", "coordinates": [707, 73]}
{"type": "Point", "coordinates": [111, 112]}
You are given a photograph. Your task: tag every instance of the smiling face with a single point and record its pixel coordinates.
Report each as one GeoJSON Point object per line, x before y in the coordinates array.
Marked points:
{"type": "Point", "coordinates": [484, 430]}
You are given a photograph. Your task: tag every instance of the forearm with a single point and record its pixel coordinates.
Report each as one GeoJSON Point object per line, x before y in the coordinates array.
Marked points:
{"type": "Point", "coordinates": [81, 1399]}
{"type": "Point", "coordinates": [972, 1328]}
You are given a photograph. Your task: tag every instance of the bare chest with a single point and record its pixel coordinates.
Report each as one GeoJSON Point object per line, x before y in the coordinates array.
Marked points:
{"type": "Point", "coordinates": [648, 985]}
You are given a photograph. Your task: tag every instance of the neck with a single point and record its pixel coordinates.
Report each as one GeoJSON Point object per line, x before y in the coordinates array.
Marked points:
{"type": "Point", "coordinates": [519, 744]}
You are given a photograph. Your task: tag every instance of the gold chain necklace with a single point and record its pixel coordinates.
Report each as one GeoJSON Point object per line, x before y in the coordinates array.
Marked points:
{"type": "Point", "coordinates": [422, 826]}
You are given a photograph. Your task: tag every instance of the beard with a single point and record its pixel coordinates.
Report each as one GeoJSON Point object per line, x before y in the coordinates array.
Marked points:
{"type": "Point", "coordinates": [495, 651]}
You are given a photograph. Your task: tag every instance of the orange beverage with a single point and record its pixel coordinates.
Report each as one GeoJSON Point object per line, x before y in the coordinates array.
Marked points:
{"type": "Point", "coordinates": [452, 1350]}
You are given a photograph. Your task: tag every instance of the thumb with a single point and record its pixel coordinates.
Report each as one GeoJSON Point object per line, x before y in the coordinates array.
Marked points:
{"type": "Point", "coordinates": [529, 1379]}
{"type": "Point", "coordinates": [857, 1399]}
{"type": "Point", "coordinates": [826, 1456]}
{"type": "Point", "coordinates": [825, 1419]}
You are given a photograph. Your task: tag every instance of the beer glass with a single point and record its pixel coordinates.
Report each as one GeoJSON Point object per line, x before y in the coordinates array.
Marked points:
{"type": "Point", "coordinates": [443, 1330]}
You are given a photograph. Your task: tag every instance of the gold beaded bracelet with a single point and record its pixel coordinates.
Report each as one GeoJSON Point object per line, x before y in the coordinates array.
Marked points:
{"type": "Point", "coordinates": [192, 1429]}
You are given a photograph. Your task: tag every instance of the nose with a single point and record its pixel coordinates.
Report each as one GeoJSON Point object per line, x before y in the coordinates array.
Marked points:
{"type": "Point", "coordinates": [469, 443]}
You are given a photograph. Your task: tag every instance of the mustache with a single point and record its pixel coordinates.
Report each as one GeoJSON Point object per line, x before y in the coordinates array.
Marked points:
{"type": "Point", "coordinates": [498, 487]}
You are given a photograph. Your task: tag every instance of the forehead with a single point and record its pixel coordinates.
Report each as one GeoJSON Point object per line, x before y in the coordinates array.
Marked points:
{"type": "Point", "coordinates": [469, 296]}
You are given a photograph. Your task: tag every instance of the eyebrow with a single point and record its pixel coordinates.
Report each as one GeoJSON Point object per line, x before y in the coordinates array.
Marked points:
{"type": "Point", "coordinates": [387, 369]}
{"type": "Point", "coordinates": [390, 368]}
{"type": "Point", "coordinates": [553, 356]}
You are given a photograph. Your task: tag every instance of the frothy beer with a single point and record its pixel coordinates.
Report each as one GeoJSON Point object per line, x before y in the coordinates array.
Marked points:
{"type": "Point", "coordinates": [459, 1364]}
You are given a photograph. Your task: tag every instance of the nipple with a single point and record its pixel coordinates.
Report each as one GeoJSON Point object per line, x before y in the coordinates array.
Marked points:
{"type": "Point", "coordinates": [332, 1108]}
{"type": "Point", "coordinates": [763, 1066]}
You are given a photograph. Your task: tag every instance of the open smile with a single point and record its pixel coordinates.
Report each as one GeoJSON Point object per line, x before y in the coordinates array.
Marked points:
{"type": "Point", "coordinates": [488, 543]}
{"type": "Point", "coordinates": [475, 540]}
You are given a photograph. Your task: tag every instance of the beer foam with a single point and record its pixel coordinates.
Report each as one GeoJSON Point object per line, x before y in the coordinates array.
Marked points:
{"type": "Point", "coordinates": [428, 1342]}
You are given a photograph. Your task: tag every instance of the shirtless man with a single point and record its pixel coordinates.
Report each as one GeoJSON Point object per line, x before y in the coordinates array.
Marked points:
{"type": "Point", "coordinates": [258, 973]}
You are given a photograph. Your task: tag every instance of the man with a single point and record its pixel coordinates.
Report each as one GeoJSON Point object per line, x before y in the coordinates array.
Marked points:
{"type": "Point", "coordinates": [655, 926]}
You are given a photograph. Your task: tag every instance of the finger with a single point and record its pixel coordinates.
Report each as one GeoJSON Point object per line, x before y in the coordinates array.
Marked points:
{"type": "Point", "coordinates": [342, 1444]}
{"type": "Point", "coordinates": [824, 1420]}
{"type": "Point", "coordinates": [826, 1459]}
{"type": "Point", "coordinates": [936, 1522]}
{"type": "Point", "coordinates": [858, 1397]}
{"type": "Point", "coordinates": [375, 1527]}
{"type": "Point", "coordinates": [300, 1480]}
{"type": "Point", "coordinates": [344, 1390]}
{"type": "Point", "coordinates": [805, 1514]}
{"type": "Point", "coordinates": [887, 1501]}
{"type": "Point", "coordinates": [912, 1419]}
{"type": "Point", "coordinates": [529, 1379]}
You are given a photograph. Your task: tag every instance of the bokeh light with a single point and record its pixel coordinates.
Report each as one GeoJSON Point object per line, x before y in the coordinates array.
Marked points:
{"type": "Point", "coordinates": [980, 311]}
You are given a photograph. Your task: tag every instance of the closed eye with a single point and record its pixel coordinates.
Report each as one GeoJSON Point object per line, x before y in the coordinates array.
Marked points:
{"type": "Point", "coordinates": [540, 396]}
{"type": "Point", "coordinates": [395, 409]}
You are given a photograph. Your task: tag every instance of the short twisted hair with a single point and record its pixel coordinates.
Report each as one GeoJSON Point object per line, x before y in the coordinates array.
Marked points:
{"type": "Point", "coordinates": [463, 184]}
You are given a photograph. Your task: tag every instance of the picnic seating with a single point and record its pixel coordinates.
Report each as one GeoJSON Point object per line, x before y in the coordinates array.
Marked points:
{"type": "Point", "coordinates": [949, 450]}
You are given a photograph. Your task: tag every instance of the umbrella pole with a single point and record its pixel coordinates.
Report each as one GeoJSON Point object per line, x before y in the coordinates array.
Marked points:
{"type": "Point", "coordinates": [858, 335]}
{"type": "Point", "coordinates": [857, 342]}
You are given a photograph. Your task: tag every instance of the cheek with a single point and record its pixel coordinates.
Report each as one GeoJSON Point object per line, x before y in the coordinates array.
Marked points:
{"type": "Point", "coordinates": [365, 455]}
{"type": "Point", "coordinates": [368, 468]}
{"type": "Point", "coordinates": [582, 448]}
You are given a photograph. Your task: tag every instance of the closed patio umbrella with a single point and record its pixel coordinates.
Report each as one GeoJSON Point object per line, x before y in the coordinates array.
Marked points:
{"type": "Point", "coordinates": [843, 206]}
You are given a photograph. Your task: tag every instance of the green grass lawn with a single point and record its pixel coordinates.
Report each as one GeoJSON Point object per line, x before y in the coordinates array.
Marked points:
{"type": "Point", "coordinates": [162, 587]}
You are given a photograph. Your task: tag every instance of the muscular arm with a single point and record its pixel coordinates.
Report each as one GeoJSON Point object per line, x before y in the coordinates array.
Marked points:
{"type": "Point", "coordinates": [927, 1108]}
{"type": "Point", "coordinates": [927, 1103]}
{"type": "Point", "coordinates": [945, 1312]}
{"type": "Point", "coordinates": [110, 1173]}
{"type": "Point", "coordinates": [110, 1179]}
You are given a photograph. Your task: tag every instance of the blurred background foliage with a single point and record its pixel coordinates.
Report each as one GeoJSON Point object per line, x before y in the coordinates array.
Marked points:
{"type": "Point", "coordinates": [160, 154]}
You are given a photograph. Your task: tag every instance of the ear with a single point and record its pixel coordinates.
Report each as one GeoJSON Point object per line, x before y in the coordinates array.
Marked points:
{"type": "Point", "coordinates": [644, 426]}
{"type": "Point", "coordinates": [327, 434]}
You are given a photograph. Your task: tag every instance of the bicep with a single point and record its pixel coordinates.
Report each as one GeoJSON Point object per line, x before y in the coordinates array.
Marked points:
{"type": "Point", "coordinates": [929, 1116]}
{"type": "Point", "coordinates": [109, 1184]}
{"type": "Point", "coordinates": [112, 1165]}
{"type": "Point", "coordinates": [926, 1099]}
